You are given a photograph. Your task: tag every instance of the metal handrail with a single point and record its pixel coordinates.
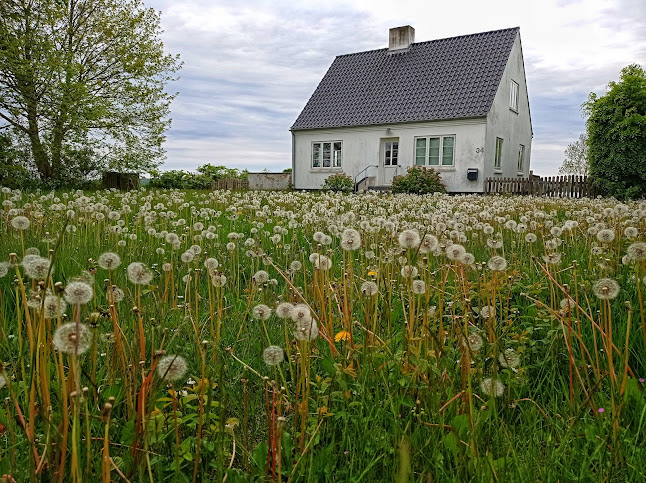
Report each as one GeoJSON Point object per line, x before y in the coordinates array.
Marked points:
{"type": "Point", "coordinates": [360, 172]}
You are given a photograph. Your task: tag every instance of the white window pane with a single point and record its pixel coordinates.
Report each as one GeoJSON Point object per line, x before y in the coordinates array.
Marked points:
{"type": "Point", "coordinates": [420, 152]}
{"type": "Point", "coordinates": [316, 155]}
{"type": "Point", "coordinates": [498, 156]}
{"type": "Point", "coordinates": [326, 154]}
{"type": "Point", "coordinates": [434, 151]}
{"type": "Point", "coordinates": [447, 151]}
{"type": "Point", "coordinates": [337, 155]}
{"type": "Point", "coordinates": [395, 154]}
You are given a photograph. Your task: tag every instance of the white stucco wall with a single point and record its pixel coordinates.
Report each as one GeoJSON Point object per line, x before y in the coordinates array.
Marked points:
{"type": "Point", "coordinates": [361, 148]}
{"type": "Point", "coordinates": [513, 127]}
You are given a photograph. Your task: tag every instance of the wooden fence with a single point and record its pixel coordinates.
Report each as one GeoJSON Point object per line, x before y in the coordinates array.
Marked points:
{"type": "Point", "coordinates": [231, 184]}
{"type": "Point", "coordinates": [570, 186]}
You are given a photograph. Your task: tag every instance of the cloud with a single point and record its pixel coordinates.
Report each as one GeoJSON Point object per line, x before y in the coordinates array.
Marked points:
{"type": "Point", "coordinates": [250, 67]}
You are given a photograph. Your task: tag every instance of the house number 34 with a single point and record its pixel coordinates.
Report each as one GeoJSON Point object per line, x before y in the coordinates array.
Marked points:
{"type": "Point", "coordinates": [479, 150]}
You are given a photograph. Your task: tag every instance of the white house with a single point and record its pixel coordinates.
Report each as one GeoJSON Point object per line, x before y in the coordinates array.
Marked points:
{"type": "Point", "coordinates": [458, 105]}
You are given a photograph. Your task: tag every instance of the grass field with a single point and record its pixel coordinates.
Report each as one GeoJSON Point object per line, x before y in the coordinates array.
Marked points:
{"type": "Point", "coordinates": [210, 336]}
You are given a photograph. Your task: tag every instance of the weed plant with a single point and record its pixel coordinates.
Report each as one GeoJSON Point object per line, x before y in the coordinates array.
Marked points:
{"type": "Point", "coordinates": [244, 336]}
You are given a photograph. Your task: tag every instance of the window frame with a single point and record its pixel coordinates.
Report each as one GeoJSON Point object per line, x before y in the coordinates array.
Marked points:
{"type": "Point", "coordinates": [497, 159]}
{"type": "Point", "coordinates": [440, 150]}
{"type": "Point", "coordinates": [520, 168]}
{"type": "Point", "coordinates": [514, 89]}
{"type": "Point", "coordinates": [336, 155]}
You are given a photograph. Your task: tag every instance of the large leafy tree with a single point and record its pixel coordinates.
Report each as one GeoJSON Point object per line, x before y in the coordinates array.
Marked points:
{"type": "Point", "coordinates": [576, 157]}
{"type": "Point", "coordinates": [617, 135]}
{"type": "Point", "coordinates": [83, 83]}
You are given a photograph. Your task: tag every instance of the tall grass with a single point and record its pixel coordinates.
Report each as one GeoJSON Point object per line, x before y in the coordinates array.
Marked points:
{"type": "Point", "coordinates": [313, 337]}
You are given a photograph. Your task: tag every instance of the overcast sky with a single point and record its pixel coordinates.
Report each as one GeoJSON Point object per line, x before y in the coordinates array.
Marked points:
{"type": "Point", "coordinates": [250, 66]}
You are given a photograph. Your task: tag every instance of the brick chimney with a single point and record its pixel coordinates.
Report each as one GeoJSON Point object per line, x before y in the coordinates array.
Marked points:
{"type": "Point", "coordinates": [400, 38]}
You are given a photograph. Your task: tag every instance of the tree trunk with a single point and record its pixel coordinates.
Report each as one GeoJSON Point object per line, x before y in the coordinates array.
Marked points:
{"type": "Point", "coordinates": [41, 159]}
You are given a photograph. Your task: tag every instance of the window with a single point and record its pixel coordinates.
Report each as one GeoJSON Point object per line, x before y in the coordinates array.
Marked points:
{"type": "Point", "coordinates": [431, 151]}
{"type": "Point", "coordinates": [392, 153]}
{"type": "Point", "coordinates": [497, 163]}
{"type": "Point", "coordinates": [326, 154]}
{"type": "Point", "coordinates": [521, 158]}
{"type": "Point", "coordinates": [513, 96]}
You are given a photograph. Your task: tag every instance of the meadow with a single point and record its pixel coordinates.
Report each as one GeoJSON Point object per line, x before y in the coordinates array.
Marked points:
{"type": "Point", "coordinates": [253, 336]}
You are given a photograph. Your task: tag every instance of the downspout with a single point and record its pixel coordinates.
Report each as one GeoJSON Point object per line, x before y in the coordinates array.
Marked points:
{"type": "Point", "coordinates": [293, 162]}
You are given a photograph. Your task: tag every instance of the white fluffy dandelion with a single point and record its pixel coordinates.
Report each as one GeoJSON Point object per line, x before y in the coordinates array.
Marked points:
{"type": "Point", "coordinates": [70, 339]}
{"type": "Point", "coordinates": [139, 274]}
{"type": "Point", "coordinates": [78, 293]}
{"type": "Point", "coordinates": [109, 261]}
{"type": "Point", "coordinates": [492, 387]}
{"type": "Point", "coordinates": [273, 355]}
{"type": "Point", "coordinates": [171, 368]}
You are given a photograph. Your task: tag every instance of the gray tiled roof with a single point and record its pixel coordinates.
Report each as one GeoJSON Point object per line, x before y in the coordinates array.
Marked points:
{"type": "Point", "coordinates": [441, 79]}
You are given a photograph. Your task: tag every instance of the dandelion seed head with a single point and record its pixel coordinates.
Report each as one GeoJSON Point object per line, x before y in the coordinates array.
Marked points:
{"type": "Point", "coordinates": [509, 358]}
{"type": "Point", "coordinates": [369, 288]}
{"type": "Point", "coordinates": [109, 261]}
{"type": "Point", "coordinates": [53, 307]}
{"type": "Point", "coordinates": [68, 337]}
{"type": "Point", "coordinates": [284, 310]}
{"type": "Point", "coordinates": [637, 251]}
{"type": "Point", "coordinates": [36, 267]}
{"type": "Point", "coordinates": [409, 271]}
{"type": "Point", "coordinates": [409, 239]}
{"type": "Point", "coordinates": [497, 264]}
{"type": "Point", "coordinates": [301, 313]}
{"type": "Point", "coordinates": [552, 258]}
{"type": "Point", "coordinates": [455, 251]}
{"type": "Point", "coordinates": [20, 222]}
{"type": "Point", "coordinates": [78, 292]}
{"type": "Point", "coordinates": [211, 264]}
{"type": "Point", "coordinates": [171, 368]}
{"type": "Point", "coordinates": [117, 295]}
{"type": "Point", "coordinates": [260, 277]}
{"type": "Point", "coordinates": [606, 289]}
{"type": "Point", "coordinates": [606, 235]}
{"type": "Point", "coordinates": [306, 331]}
{"type": "Point", "coordinates": [218, 280]}
{"type": "Point", "coordinates": [261, 312]}
{"type": "Point", "coordinates": [530, 238]}
{"type": "Point", "coordinates": [419, 287]}
{"type": "Point", "coordinates": [273, 355]}
{"type": "Point", "coordinates": [187, 257]}
{"type": "Point", "coordinates": [492, 388]}
{"type": "Point", "coordinates": [568, 304]}
{"type": "Point", "coordinates": [486, 311]}
{"type": "Point", "coordinates": [474, 342]}
{"type": "Point", "coordinates": [631, 232]}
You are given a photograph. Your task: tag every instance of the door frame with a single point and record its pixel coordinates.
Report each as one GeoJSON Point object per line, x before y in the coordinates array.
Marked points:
{"type": "Point", "coordinates": [385, 173]}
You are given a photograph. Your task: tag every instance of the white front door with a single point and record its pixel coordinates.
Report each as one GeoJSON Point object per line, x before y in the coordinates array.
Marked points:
{"type": "Point", "coordinates": [388, 160]}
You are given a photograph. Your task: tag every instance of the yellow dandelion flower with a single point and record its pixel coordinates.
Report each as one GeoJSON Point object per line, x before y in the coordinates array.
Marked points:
{"type": "Point", "coordinates": [342, 335]}
{"type": "Point", "coordinates": [372, 273]}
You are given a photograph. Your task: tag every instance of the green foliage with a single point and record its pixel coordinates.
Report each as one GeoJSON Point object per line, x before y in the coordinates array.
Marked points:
{"type": "Point", "coordinates": [617, 135]}
{"type": "Point", "coordinates": [338, 182]}
{"type": "Point", "coordinates": [418, 180]}
{"type": "Point", "coordinates": [12, 172]}
{"type": "Point", "coordinates": [83, 85]}
{"type": "Point", "coordinates": [203, 179]}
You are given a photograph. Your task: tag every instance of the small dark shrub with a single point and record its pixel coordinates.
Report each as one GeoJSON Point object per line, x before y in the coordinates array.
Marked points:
{"type": "Point", "coordinates": [419, 180]}
{"type": "Point", "coordinates": [338, 182]}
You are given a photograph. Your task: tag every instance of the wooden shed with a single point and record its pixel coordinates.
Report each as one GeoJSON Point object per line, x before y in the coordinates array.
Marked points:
{"type": "Point", "coordinates": [121, 181]}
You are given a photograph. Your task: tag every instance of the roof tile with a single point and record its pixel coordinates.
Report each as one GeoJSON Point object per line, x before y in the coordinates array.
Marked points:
{"type": "Point", "coordinates": [440, 79]}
